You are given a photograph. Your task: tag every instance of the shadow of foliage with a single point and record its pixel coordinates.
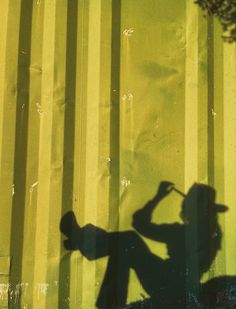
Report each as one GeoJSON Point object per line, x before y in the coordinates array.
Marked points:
{"type": "Point", "coordinates": [225, 11]}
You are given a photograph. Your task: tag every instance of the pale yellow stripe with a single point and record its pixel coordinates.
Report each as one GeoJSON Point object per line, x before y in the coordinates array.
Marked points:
{"type": "Point", "coordinates": [218, 266]}
{"type": "Point", "coordinates": [4, 7]}
{"type": "Point", "coordinates": [44, 176]}
{"type": "Point", "coordinates": [105, 160]}
{"type": "Point", "coordinates": [31, 181]}
{"type": "Point", "coordinates": [9, 29]}
{"type": "Point", "coordinates": [229, 103]}
{"type": "Point", "coordinates": [91, 186]}
{"type": "Point", "coordinates": [191, 125]}
{"type": "Point", "coordinates": [9, 38]}
{"type": "Point", "coordinates": [57, 156]}
{"type": "Point", "coordinates": [127, 98]}
{"type": "Point", "coordinates": [78, 206]}
{"type": "Point", "coordinates": [191, 96]}
{"type": "Point", "coordinates": [80, 109]}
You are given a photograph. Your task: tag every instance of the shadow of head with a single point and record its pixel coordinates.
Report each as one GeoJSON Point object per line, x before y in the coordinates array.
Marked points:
{"type": "Point", "coordinates": [199, 204]}
{"type": "Point", "coordinates": [200, 215]}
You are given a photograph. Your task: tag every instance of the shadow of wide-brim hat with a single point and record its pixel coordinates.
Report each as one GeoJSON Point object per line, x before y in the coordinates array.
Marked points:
{"type": "Point", "coordinates": [202, 193]}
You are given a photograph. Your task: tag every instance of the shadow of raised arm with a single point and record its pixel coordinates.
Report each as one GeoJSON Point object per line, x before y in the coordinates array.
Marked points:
{"type": "Point", "coordinates": [142, 217]}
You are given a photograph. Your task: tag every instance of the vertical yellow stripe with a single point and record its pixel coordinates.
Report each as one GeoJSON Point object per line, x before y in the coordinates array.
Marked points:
{"type": "Point", "coordinates": [33, 108]}
{"type": "Point", "coordinates": [191, 96]}
{"type": "Point", "coordinates": [4, 6]}
{"type": "Point", "coordinates": [191, 130]}
{"type": "Point", "coordinates": [217, 115]}
{"type": "Point", "coordinates": [93, 86]}
{"type": "Point", "coordinates": [8, 79]}
{"type": "Point", "coordinates": [229, 101]}
{"type": "Point", "coordinates": [5, 211]}
{"type": "Point", "coordinates": [44, 175]}
{"type": "Point", "coordinates": [105, 160]}
{"type": "Point", "coordinates": [78, 203]}
{"type": "Point", "coordinates": [54, 235]}
{"type": "Point", "coordinates": [9, 39]}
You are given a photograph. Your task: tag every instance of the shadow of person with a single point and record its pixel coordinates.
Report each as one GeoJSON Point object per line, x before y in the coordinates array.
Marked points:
{"type": "Point", "coordinates": [192, 247]}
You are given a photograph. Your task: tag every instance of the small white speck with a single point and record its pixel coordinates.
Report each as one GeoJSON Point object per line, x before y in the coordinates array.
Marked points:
{"type": "Point", "coordinates": [128, 32]}
{"type": "Point", "coordinates": [33, 186]}
{"type": "Point", "coordinates": [13, 190]}
{"type": "Point", "coordinates": [125, 182]}
{"type": "Point", "coordinates": [4, 289]}
{"type": "Point", "coordinates": [39, 108]}
{"type": "Point", "coordinates": [124, 97]}
{"type": "Point", "coordinates": [128, 97]}
{"type": "Point", "coordinates": [42, 288]}
{"type": "Point", "coordinates": [213, 113]}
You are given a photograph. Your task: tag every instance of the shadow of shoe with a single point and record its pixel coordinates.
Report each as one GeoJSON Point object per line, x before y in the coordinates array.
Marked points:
{"type": "Point", "coordinates": [70, 228]}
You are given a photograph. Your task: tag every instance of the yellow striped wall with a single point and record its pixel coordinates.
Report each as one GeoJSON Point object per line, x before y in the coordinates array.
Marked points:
{"type": "Point", "coordinates": [100, 100]}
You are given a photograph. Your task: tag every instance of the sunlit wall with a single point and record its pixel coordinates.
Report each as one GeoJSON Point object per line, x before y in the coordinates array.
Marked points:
{"type": "Point", "coordinates": [100, 101]}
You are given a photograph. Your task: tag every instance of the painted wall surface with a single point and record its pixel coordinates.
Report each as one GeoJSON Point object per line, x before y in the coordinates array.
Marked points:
{"type": "Point", "coordinates": [101, 101]}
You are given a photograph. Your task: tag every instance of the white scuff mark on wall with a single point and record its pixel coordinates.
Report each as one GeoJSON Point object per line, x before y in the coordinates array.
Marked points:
{"type": "Point", "coordinates": [18, 291]}
{"type": "Point", "coordinates": [128, 97]}
{"type": "Point", "coordinates": [39, 108]}
{"type": "Point", "coordinates": [213, 113]}
{"type": "Point", "coordinates": [128, 32]}
{"type": "Point", "coordinates": [11, 294]}
{"type": "Point", "coordinates": [125, 182]}
{"type": "Point", "coordinates": [42, 288]}
{"type": "Point", "coordinates": [108, 160]}
{"type": "Point", "coordinates": [33, 186]}
{"type": "Point", "coordinates": [13, 189]}
{"type": "Point", "coordinates": [105, 159]}
{"type": "Point", "coordinates": [4, 288]}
